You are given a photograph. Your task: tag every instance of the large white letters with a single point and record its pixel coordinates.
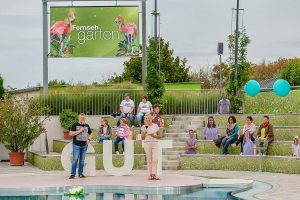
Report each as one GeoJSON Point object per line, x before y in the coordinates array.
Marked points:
{"type": "Point", "coordinates": [90, 160]}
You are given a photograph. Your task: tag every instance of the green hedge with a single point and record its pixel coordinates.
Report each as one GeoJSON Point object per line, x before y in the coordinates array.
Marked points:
{"type": "Point", "coordinates": [276, 149]}
{"type": "Point", "coordinates": [240, 163]}
{"type": "Point", "coordinates": [54, 163]}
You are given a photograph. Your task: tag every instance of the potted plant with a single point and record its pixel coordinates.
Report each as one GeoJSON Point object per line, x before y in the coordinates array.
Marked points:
{"type": "Point", "coordinates": [67, 118]}
{"type": "Point", "coordinates": [21, 122]}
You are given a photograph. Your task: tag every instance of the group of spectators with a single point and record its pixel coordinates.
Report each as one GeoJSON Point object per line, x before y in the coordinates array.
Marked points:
{"type": "Point", "coordinates": [127, 110]}
{"type": "Point", "coordinates": [248, 137]}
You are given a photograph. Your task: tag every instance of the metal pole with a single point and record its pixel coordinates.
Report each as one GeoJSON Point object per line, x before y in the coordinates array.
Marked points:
{"type": "Point", "coordinates": [144, 45]}
{"type": "Point", "coordinates": [155, 24]}
{"type": "Point", "coordinates": [45, 48]}
{"type": "Point", "coordinates": [221, 81]}
{"type": "Point", "coordinates": [236, 40]}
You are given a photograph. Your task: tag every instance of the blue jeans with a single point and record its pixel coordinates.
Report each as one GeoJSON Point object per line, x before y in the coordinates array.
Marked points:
{"type": "Point", "coordinates": [117, 140]}
{"type": "Point", "coordinates": [226, 142]}
{"type": "Point", "coordinates": [103, 138]}
{"type": "Point", "coordinates": [78, 154]}
{"type": "Point", "coordinates": [140, 117]}
{"type": "Point", "coordinates": [130, 116]}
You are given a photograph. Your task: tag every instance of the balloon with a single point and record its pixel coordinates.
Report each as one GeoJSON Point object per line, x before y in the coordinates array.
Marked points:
{"type": "Point", "coordinates": [252, 88]}
{"type": "Point", "coordinates": [281, 88]}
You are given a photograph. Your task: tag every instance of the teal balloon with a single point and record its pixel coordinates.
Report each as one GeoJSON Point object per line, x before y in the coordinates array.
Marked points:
{"type": "Point", "coordinates": [252, 88]}
{"type": "Point", "coordinates": [281, 88]}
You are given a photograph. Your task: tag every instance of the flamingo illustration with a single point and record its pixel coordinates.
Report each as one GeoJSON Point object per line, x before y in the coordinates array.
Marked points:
{"type": "Point", "coordinates": [129, 30]}
{"type": "Point", "coordinates": [60, 28]}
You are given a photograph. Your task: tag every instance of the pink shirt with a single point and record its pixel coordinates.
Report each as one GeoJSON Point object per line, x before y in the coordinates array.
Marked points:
{"type": "Point", "coordinates": [150, 130]}
{"type": "Point", "coordinates": [124, 132]}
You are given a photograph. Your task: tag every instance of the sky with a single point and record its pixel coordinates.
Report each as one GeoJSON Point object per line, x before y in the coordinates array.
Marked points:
{"type": "Point", "coordinates": [193, 28]}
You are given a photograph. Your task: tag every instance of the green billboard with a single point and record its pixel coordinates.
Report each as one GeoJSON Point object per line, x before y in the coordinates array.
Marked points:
{"type": "Point", "coordinates": [94, 31]}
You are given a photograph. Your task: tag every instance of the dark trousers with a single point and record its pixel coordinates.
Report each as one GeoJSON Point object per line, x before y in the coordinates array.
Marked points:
{"type": "Point", "coordinates": [117, 140]}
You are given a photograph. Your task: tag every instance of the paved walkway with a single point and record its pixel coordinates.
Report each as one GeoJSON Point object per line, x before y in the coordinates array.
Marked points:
{"type": "Point", "coordinates": [283, 186]}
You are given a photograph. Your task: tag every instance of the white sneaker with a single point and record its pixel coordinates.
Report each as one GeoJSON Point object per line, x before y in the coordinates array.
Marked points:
{"type": "Point", "coordinates": [117, 153]}
{"type": "Point", "coordinates": [233, 145]}
{"type": "Point", "coordinates": [241, 154]}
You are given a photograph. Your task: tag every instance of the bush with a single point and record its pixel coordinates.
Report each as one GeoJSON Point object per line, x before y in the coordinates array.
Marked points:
{"type": "Point", "coordinates": [291, 72]}
{"type": "Point", "coordinates": [67, 118]}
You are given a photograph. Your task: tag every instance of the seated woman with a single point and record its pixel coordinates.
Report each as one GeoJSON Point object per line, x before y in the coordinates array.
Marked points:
{"type": "Point", "coordinates": [232, 130]}
{"type": "Point", "coordinates": [104, 131]}
{"type": "Point", "coordinates": [144, 108]}
{"type": "Point", "coordinates": [211, 130]}
{"type": "Point", "coordinates": [247, 138]}
{"type": "Point", "coordinates": [122, 133]}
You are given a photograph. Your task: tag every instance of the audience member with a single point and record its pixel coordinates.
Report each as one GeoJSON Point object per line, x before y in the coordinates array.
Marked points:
{"type": "Point", "coordinates": [127, 109]}
{"type": "Point", "coordinates": [265, 134]}
{"type": "Point", "coordinates": [122, 133]}
{"type": "Point", "coordinates": [231, 134]}
{"type": "Point", "coordinates": [224, 105]}
{"type": "Point", "coordinates": [191, 143]}
{"type": "Point", "coordinates": [247, 138]}
{"type": "Point", "coordinates": [104, 131]}
{"type": "Point", "coordinates": [144, 108]}
{"type": "Point", "coordinates": [296, 147]}
{"type": "Point", "coordinates": [156, 117]}
{"type": "Point", "coordinates": [211, 130]}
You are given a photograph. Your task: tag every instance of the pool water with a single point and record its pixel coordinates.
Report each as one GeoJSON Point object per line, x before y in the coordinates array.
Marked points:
{"type": "Point", "coordinates": [205, 194]}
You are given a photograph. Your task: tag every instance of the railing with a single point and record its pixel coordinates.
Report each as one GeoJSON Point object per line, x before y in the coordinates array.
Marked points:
{"type": "Point", "coordinates": [106, 102]}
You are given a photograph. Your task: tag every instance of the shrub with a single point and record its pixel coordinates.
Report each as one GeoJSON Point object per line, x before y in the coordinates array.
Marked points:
{"type": "Point", "coordinates": [67, 118]}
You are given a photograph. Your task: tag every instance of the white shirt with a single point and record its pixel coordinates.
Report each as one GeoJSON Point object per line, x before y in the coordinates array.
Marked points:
{"type": "Point", "coordinates": [145, 107]}
{"type": "Point", "coordinates": [127, 105]}
{"type": "Point", "coordinates": [150, 130]}
{"type": "Point", "coordinates": [295, 149]}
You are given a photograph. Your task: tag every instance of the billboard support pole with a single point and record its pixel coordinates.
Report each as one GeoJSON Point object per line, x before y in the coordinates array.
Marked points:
{"type": "Point", "coordinates": [144, 45]}
{"type": "Point", "coordinates": [45, 48]}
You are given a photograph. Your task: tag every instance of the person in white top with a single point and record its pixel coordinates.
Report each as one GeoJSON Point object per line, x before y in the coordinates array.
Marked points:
{"type": "Point", "coordinates": [150, 133]}
{"type": "Point", "coordinates": [144, 107]}
{"type": "Point", "coordinates": [296, 147]}
{"type": "Point", "coordinates": [127, 109]}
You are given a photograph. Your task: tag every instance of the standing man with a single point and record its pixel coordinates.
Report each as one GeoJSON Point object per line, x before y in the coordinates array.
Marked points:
{"type": "Point", "coordinates": [82, 134]}
{"type": "Point", "coordinates": [224, 105]}
{"type": "Point", "coordinates": [127, 109]}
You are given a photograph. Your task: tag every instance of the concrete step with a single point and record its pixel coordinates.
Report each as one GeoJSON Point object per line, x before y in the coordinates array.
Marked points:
{"type": "Point", "coordinates": [178, 122]}
{"type": "Point", "coordinates": [177, 126]}
{"type": "Point", "coordinates": [171, 157]}
{"type": "Point", "coordinates": [173, 152]}
{"type": "Point", "coordinates": [180, 139]}
{"type": "Point", "coordinates": [173, 130]}
{"type": "Point", "coordinates": [178, 143]}
{"type": "Point", "coordinates": [170, 167]}
{"type": "Point", "coordinates": [170, 162]}
{"type": "Point", "coordinates": [189, 118]}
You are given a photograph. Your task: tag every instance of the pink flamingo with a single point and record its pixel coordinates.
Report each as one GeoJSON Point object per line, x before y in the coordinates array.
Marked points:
{"type": "Point", "coordinates": [60, 28]}
{"type": "Point", "coordinates": [129, 29]}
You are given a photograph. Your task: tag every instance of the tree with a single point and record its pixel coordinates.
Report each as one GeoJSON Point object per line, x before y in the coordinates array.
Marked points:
{"type": "Point", "coordinates": [216, 74]}
{"type": "Point", "coordinates": [155, 85]}
{"type": "Point", "coordinates": [203, 76]}
{"type": "Point", "coordinates": [291, 72]}
{"type": "Point", "coordinates": [1, 87]}
{"type": "Point", "coordinates": [234, 88]}
{"type": "Point", "coordinates": [173, 69]}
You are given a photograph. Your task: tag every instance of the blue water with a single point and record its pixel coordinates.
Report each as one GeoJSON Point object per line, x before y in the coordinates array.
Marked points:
{"type": "Point", "coordinates": [205, 194]}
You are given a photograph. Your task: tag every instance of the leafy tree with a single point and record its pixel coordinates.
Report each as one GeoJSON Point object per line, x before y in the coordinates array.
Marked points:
{"type": "Point", "coordinates": [234, 88]}
{"type": "Point", "coordinates": [155, 86]}
{"type": "Point", "coordinates": [203, 76]}
{"type": "Point", "coordinates": [173, 69]}
{"type": "Point", "coordinates": [291, 72]}
{"type": "Point", "coordinates": [1, 87]}
{"type": "Point", "coordinates": [216, 74]}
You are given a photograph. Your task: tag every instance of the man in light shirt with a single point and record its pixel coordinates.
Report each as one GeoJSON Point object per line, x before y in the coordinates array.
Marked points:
{"type": "Point", "coordinates": [224, 105]}
{"type": "Point", "coordinates": [127, 109]}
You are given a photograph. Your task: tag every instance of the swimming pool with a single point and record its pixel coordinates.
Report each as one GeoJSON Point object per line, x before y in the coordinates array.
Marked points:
{"type": "Point", "coordinates": [94, 193]}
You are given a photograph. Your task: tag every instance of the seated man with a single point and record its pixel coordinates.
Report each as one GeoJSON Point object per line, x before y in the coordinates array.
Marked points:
{"type": "Point", "coordinates": [127, 108]}
{"type": "Point", "coordinates": [191, 143]}
{"type": "Point", "coordinates": [265, 134]}
{"type": "Point", "coordinates": [156, 117]}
